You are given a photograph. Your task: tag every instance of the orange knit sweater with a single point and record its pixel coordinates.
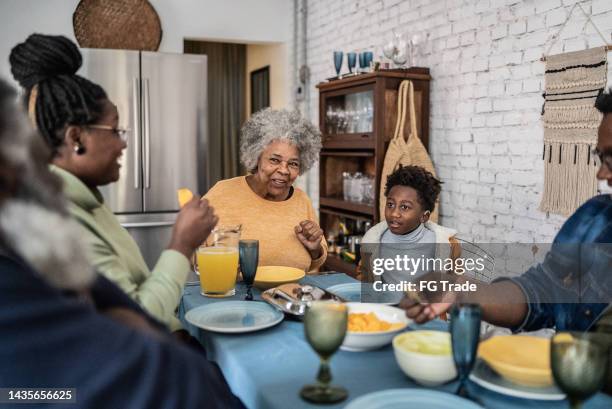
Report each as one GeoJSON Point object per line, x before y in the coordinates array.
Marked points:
{"type": "Point", "coordinates": [270, 222]}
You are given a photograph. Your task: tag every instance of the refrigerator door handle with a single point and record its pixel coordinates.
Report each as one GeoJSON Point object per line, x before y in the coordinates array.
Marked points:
{"type": "Point", "coordinates": [147, 224]}
{"type": "Point", "coordinates": [147, 135]}
{"type": "Point", "coordinates": [135, 107]}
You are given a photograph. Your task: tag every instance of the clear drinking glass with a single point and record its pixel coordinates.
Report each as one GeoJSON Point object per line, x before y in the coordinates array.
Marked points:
{"type": "Point", "coordinates": [356, 188]}
{"type": "Point", "coordinates": [400, 58]}
{"type": "Point", "coordinates": [325, 325]}
{"type": "Point", "coordinates": [465, 336]}
{"type": "Point", "coordinates": [249, 258]}
{"type": "Point", "coordinates": [579, 363]}
{"type": "Point", "coordinates": [217, 263]}
{"type": "Point", "coordinates": [346, 184]}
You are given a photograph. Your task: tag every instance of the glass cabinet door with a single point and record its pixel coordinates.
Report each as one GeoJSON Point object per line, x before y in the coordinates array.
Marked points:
{"type": "Point", "coordinates": [349, 113]}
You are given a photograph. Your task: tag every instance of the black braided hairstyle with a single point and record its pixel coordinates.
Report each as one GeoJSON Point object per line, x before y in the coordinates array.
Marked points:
{"type": "Point", "coordinates": [63, 98]}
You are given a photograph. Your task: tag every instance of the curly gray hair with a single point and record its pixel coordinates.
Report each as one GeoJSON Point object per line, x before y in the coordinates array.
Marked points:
{"type": "Point", "coordinates": [269, 125]}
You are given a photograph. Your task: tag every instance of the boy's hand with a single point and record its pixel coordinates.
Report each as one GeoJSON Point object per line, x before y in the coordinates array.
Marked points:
{"type": "Point", "coordinates": [423, 306]}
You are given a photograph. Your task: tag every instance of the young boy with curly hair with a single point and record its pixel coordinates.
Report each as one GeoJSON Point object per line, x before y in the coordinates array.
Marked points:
{"type": "Point", "coordinates": [411, 193]}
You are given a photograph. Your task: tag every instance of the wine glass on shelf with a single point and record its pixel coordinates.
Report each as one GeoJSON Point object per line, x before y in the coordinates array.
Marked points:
{"type": "Point", "coordinates": [465, 336]}
{"type": "Point", "coordinates": [390, 47]}
{"type": "Point", "coordinates": [325, 325]}
{"type": "Point", "coordinates": [249, 258]}
{"type": "Point", "coordinates": [579, 362]}
{"type": "Point", "coordinates": [351, 61]}
{"type": "Point", "coordinates": [400, 58]}
{"type": "Point", "coordinates": [415, 40]}
{"type": "Point", "coordinates": [338, 56]}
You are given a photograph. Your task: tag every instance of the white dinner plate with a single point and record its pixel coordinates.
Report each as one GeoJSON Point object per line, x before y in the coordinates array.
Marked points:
{"type": "Point", "coordinates": [355, 292]}
{"type": "Point", "coordinates": [410, 398]}
{"type": "Point", "coordinates": [233, 317]}
{"type": "Point", "coordinates": [486, 377]}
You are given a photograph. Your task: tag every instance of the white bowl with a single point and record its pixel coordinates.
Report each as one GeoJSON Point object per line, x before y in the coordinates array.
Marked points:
{"type": "Point", "coordinates": [425, 368]}
{"type": "Point", "coordinates": [366, 341]}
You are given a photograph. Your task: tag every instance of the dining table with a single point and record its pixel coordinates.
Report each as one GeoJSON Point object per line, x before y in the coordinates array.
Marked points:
{"type": "Point", "coordinates": [266, 369]}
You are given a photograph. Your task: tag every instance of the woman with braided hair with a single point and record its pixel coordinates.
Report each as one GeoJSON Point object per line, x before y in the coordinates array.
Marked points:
{"type": "Point", "coordinates": [81, 127]}
{"type": "Point", "coordinates": [60, 327]}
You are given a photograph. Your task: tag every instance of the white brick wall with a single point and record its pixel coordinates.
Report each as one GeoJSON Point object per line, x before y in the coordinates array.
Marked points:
{"type": "Point", "coordinates": [485, 130]}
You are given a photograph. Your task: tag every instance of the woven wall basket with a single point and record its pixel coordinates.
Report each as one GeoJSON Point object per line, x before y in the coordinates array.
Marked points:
{"type": "Point", "coordinates": [118, 24]}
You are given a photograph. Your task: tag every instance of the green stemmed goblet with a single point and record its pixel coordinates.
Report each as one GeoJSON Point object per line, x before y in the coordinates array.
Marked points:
{"type": "Point", "coordinates": [325, 325]}
{"type": "Point", "coordinates": [579, 362]}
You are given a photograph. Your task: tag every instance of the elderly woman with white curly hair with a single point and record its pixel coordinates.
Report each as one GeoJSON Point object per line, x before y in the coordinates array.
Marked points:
{"type": "Point", "coordinates": [276, 146]}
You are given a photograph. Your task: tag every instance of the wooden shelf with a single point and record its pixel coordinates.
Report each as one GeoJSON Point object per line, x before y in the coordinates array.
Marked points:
{"type": "Point", "coordinates": [341, 213]}
{"type": "Point", "coordinates": [364, 140]}
{"type": "Point", "coordinates": [351, 154]}
{"type": "Point", "coordinates": [413, 73]}
{"type": "Point", "coordinates": [339, 203]}
{"type": "Point", "coordinates": [335, 263]}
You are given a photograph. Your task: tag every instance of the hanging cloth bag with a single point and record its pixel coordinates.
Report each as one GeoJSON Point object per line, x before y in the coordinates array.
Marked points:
{"type": "Point", "coordinates": [402, 152]}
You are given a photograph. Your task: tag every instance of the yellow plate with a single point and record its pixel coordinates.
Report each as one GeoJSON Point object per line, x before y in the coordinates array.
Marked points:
{"type": "Point", "coordinates": [272, 276]}
{"type": "Point", "coordinates": [521, 359]}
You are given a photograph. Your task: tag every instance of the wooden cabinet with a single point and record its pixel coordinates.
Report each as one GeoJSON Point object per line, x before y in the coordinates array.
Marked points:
{"type": "Point", "coordinates": [357, 118]}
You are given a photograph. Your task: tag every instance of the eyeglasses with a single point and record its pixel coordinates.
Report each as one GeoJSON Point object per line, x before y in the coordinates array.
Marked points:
{"type": "Point", "coordinates": [120, 133]}
{"type": "Point", "coordinates": [604, 157]}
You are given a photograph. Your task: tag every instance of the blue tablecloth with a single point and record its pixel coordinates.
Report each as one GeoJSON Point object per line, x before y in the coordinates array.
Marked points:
{"type": "Point", "coordinates": [267, 369]}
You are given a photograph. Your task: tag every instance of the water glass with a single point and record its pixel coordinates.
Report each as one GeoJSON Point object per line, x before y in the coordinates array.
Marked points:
{"type": "Point", "coordinates": [351, 60]}
{"type": "Point", "coordinates": [465, 336]}
{"type": "Point", "coordinates": [249, 258]}
{"type": "Point", "coordinates": [362, 62]}
{"type": "Point", "coordinates": [368, 189]}
{"type": "Point", "coordinates": [369, 57]}
{"type": "Point", "coordinates": [325, 324]}
{"type": "Point", "coordinates": [346, 183]}
{"type": "Point", "coordinates": [338, 56]}
{"type": "Point", "coordinates": [579, 363]}
{"type": "Point", "coordinates": [356, 188]}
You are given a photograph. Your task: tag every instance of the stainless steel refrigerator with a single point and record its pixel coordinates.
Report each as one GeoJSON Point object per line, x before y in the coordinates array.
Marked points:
{"type": "Point", "coordinates": [161, 98]}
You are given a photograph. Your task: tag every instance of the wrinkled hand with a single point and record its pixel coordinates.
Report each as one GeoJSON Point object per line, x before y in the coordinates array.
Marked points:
{"type": "Point", "coordinates": [194, 223]}
{"type": "Point", "coordinates": [310, 234]}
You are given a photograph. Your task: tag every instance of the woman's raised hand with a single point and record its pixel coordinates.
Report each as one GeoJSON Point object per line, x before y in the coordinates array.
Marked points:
{"type": "Point", "coordinates": [194, 223]}
{"type": "Point", "coordinates": [310, 234]}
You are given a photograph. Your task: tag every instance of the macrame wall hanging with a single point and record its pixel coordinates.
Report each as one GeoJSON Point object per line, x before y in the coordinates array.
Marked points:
{"type": "Point", "coordinates": [572, 83]}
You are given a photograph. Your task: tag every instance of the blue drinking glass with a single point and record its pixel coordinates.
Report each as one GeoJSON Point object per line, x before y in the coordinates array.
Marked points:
{"type": "Point", "coordinates": [465, 335]}
{"type": "Point", "coordinates": [248, 251]}
{"type": "Point", "coordinates": [362, 61]}
{"type": "Point", "coordinates": [352, 60]}
{"type": "Point", "coordinates": [369, 56]}
{"type": "Point", "coordinates": [338, 56]}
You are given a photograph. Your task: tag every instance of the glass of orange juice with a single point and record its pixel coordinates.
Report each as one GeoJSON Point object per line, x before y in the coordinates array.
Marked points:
{"type": "Point", "coordinates": [218, 263]}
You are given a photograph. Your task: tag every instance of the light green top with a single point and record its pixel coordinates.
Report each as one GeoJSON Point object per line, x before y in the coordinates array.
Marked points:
{"type": "Point", "coordinates": [115, 254]}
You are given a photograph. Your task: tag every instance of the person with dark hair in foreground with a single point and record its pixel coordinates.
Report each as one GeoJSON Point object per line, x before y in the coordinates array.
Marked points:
{"type": "Point", "coordinates": [53, 332]}
{"type": "Point", "coordinates": [80, 125]}
{"type": "Point", "coordinates": [571, 290]}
